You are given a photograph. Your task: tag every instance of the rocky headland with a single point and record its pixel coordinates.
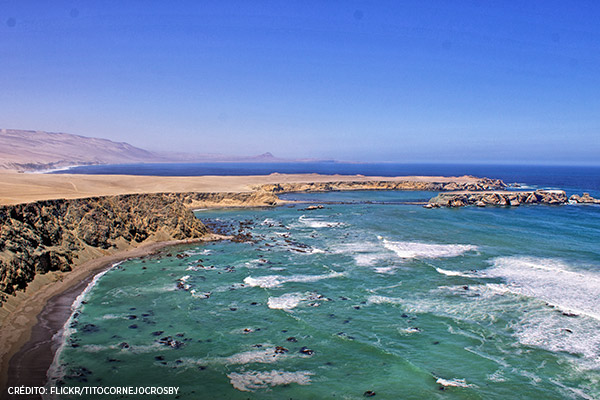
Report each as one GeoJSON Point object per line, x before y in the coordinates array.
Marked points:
{"type": "Point", "coordinates": [429, 185]}
{"type": "Point", "coordinates": [57, 235]}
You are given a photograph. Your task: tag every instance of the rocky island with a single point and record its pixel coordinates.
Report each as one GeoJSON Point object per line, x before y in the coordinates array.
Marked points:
{"type": "Point", "coordinates": [497, 198]}
{"type": "Point", "coordinates": [507, 198]}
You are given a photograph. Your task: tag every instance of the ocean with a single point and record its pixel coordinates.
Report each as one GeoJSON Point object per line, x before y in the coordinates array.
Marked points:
{"type": "Point", "coordinates": [566, 177]}
{"type": "Point", "coordinates": [369, 296]}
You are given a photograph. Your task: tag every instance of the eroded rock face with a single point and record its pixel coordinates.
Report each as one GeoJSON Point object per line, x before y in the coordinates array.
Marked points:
{"type": "Point", "coordinates": [49, 235]}
{"type": "Point", "coordinates": [513, 199]}
{"type": "Point", "coordinates": [228, 199]}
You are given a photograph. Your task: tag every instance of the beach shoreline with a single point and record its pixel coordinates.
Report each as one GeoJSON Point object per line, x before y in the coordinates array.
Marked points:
{"type": "Point", "coordinates": [28, 334]}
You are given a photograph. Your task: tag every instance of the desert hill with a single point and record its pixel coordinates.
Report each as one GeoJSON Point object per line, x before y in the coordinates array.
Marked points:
{"type": "Point", "coordinates": [37, 150]}
{"type": "Point", "coordinates": [23, 150]}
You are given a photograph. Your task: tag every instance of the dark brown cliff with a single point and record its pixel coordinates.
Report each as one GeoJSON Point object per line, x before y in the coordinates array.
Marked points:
{"type": "Point", "coordinates": [44, 236]}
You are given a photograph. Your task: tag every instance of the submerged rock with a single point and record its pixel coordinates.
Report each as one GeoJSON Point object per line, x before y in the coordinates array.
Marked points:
{"type": "Point", "coordinates": [169, 341]}
{"type": "Point", "coordinates": [310, 208]}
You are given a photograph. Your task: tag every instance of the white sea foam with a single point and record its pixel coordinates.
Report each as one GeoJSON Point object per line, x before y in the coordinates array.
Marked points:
{"type": "Point", "coordinates": [290, 301]}
{"type": "Point", "coordinates": [367, 259]}
{"type": "Point", "coordinates": [474, 303]}
{"type": "Point", "coordinates": [455, 273]}
{"type": "Point", "coordinates": [314, 250]}
{"type": "Point", "coordinates": [385, 270]}
{"type": "Point", "coordinates": [497, 376]}
{"type": "Point", "coordinates": [383, 300]}
{"type": "Point", "coordinates": [286, 302]}
{"type": "Point", "coordinates": [425, 250]}
{"type": "Point", "coordinates": [135, 349]}
{"type": "Point", "coordinates": [365, 253]}
{"type": "Point", "coordinates": [271, 281]}
{"type": "Point", "coordinates": [318, 223]}
{"type": "Point", "coordinates": [55, 371]}
{"type": "Point", "coordinates": [263, 356]}
{"type": "Point", "coordinates": [250, 381]}
{"type": "Point", "coordinates": [568, 319]}
{"type": "Point", "coordinates": [408, 331]}
{"type": "Point", "coordinates": [270, 221]}
{"type": "Point", "coordinates": [453, 382]}
{"type": "Point", "coordinates": [197, 252]}
{"type": "Point", "coordinates": [112, 316]}
{"type": "Point", "coordinates": [550, 280]}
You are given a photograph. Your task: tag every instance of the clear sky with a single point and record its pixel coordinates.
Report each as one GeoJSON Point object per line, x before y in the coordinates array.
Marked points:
{"type": "Point", "coordinates": [403, 81]}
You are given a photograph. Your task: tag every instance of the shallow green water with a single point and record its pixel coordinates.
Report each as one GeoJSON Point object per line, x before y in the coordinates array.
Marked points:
{"type": "Point", "coordinates": [391, 298]}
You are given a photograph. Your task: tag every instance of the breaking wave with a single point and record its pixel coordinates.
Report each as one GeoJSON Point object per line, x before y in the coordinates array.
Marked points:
{"type": "Point", "coordinates": [271, 281]}
{"type": "Point", "coordinates": [409, 250]}
{"type": "Point", "coordinates": [552, 281]}
{"type": "Point", "coordinates": [290, 301]}
{"type": "Point", "coordinates": [318, 223]}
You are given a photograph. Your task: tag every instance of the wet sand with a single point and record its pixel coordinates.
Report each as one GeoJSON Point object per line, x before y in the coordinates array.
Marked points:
{"type": "Point", "coordinates": [30, 364]}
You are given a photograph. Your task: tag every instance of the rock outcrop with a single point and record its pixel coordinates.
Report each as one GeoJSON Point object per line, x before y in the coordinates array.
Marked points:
{"type": "Point", "coordinates": [584, 199]}
{"type": "Point", "coordinates": [53, 235]}
{"type": "Point", "coordinates": [483, 199]}
{"type": "Point", "coordinates": [227, 199]}
{"type": "Point", "coordinates": [479, 185]}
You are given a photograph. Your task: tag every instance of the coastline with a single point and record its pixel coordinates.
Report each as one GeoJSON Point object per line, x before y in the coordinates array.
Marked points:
{"type": "Point", "coordinates": [28, 329]}
{"type": "Point", "coordinates": [18, 188]}
{"type": "Point", "coordinates": [28, 334]}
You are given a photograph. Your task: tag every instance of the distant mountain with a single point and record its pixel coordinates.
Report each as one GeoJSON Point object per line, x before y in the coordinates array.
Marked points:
{"type": "Point", "coordinates": [192, 157]}
{"type": "Point", "coordinates": [37, 150]}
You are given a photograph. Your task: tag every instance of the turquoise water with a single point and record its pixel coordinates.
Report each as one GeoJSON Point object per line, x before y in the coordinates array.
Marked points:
{"type": "Point", "coordinates": [387, 297]}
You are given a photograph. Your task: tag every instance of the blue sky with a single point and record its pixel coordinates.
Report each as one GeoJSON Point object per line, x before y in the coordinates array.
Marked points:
{"type": "Point", "coordinates": [434, 81]}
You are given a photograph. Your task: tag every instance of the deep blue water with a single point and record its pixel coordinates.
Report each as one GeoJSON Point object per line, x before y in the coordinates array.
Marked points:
{"type": "Point", "coordinates": [565, 177]}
